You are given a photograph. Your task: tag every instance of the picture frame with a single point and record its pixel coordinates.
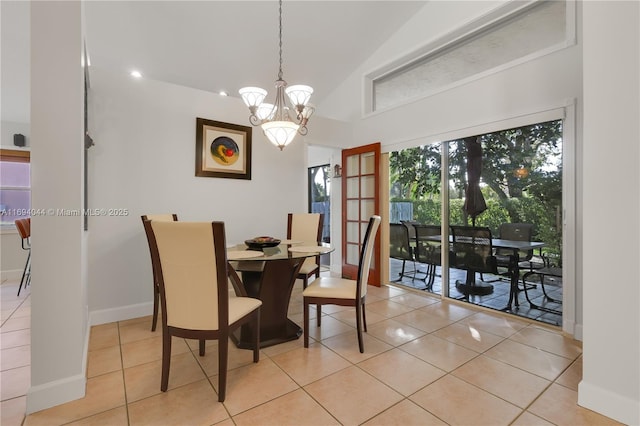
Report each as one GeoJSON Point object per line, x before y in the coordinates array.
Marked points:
{"type": "Point", "coordinates": [223, 150]}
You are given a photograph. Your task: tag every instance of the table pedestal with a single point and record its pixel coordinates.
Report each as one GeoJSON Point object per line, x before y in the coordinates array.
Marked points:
{"type": "Point", "coordinates": [272, 282]}
{"type": "Point", "coordinates": [471, 287]}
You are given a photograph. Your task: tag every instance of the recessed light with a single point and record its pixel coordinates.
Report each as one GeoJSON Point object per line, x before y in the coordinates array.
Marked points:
{"type": "Point", "coordinates": [135, 74]}
{"type": "Point", "coordinates": [223, 93]}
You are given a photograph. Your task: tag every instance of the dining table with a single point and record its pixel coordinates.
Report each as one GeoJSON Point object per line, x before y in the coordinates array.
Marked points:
{"type": "Point", "coordinates": [516, 246]}
{"type": "Point", "coordinates": [269, 274]}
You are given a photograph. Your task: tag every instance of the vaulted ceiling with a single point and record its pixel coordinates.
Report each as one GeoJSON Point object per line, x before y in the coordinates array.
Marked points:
{"type": "Point", "coordinates": [216, 45]}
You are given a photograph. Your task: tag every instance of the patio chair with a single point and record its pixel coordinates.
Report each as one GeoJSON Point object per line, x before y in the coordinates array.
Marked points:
{"type": "Point", "coordinates": [410, 224]}
{"type": "Point", "coordinates": [472, 251]}
{"type": "Point", "coordinates": [400, 249]}
{"type": "Point", "coordinates": [428, 251]}
{"type": "Point", "coordinates": [517, 232]}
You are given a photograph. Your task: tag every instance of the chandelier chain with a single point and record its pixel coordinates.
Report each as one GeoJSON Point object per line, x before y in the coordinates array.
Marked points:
{"type": "Point", "coordinates": [280, 36]}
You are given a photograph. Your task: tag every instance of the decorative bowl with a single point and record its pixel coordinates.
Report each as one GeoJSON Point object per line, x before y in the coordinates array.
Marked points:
{"type": "Point", "coordinates": [262, 242]}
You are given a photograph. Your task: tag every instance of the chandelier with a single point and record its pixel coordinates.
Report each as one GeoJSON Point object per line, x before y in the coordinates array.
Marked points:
{"type": "Point", "coordinates": [275, 119]}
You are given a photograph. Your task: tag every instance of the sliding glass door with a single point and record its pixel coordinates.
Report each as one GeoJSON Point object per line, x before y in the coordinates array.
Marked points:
{"type": "Point", "coordinates": [509, 182]}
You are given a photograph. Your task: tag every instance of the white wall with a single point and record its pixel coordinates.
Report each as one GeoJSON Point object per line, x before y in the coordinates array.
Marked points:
{"type": "Point", "coordinates": [507, 98]}
{"type": "Point", "coordinates": [611, 367]}
{"type": "Point", "coordinates": [144, 161]}
{"type": "Point", "coordinates": [8, 129]}
{"type": "Point", "coordinates": [59, 331]}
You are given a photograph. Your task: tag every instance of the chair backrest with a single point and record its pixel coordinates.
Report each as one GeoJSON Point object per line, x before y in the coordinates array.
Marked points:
{"type": "Point", "coordinates": [305, 226]}
{"type": "Point", "coordinates": [472, 249]}
{"type": "Point", "coordinates": [410, 228]}
{"type": "Point", "coordinates": [428, 251]}
{"type": "Point", "coordinates": [516, 232]}
{"type": "Point", "coordinates": [366, 254]}
{"type": "Point", "coordinates": [24, 228]}
{"type": "Point", "coordinates": [191, 261]}
{"type": "Point", "coordinates": [399, 247]}
{"type": "Point", "coordinates": [166, 217]}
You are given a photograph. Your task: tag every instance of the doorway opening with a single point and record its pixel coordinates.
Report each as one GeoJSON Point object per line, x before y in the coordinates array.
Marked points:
{"type": "Point", "coordinates": [319, 196]}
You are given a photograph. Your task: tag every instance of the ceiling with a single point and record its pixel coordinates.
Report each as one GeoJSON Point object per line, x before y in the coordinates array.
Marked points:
{"type": "Point", "coordinates": [222, 45]}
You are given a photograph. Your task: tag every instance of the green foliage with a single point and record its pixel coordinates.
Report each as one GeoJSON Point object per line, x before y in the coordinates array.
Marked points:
{"type": "Point", "coordinates": [521, 180]}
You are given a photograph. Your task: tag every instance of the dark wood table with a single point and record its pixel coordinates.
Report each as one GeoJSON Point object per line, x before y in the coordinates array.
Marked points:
{"type": "Point", "coordinates": [270, 277]}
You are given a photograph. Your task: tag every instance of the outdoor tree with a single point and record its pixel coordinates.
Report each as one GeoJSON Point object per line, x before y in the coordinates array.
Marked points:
{"type": "Point", "coordinates": [521, 175]}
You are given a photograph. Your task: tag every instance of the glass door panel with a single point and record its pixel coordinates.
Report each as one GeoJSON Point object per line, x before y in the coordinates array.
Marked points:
{"type": "Point", "coordinates": [360, 202]}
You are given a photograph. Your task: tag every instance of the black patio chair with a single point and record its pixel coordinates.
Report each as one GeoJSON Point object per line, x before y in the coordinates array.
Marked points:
{"type": "Point", "coordinates": [400, 249]}
{"type": "Point", "coordinates": [526, 259]}
{"type": "Point", "coordinates": [472, 251]}
{"type": "Point", "coordinates": [428, 251]}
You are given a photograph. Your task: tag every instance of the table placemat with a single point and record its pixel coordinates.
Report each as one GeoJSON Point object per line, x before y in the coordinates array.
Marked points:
{"type": "Point", "coordinates": [310, 249]}
{"type": "Point", "coordinates": [243, 254]}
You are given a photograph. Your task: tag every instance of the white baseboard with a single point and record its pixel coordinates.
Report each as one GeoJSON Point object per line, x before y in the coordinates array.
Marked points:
{"type": "Point", "coordinates": [121, 313]}
{"type": "Point", "coordinates": [607, 403]}
{"type": "Point", "coordinates": [54, 393]}
{"type": "Point", "coordinates": [578, 332]}
{"type": "Point", "coordinates": [60, 391]}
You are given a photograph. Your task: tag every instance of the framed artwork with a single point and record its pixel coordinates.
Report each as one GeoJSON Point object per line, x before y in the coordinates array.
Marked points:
{"type": "Point", "coordinates": [223, 150]}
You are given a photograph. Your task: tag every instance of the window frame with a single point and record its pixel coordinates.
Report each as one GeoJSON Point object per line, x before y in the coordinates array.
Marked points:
{"type": "Point", "coordinates": [16, 156]}
{"type": "Point", "coordinates": [483, 23]}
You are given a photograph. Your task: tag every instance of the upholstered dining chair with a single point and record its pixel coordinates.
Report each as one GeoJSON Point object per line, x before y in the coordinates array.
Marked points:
{"type": "Point", "coordinates": [191, 261]}
{"type": "Point", "coordinates": [343, 291]}
{"type": "Point", "coordinates": [306, 227]}
{"type": "Point", "coordinates": [168, 217]}
{"type": "Point", "coordinates": [24, 230]}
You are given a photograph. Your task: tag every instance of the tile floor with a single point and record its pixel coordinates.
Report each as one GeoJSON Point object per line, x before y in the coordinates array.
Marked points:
{"type": "Point", "coordinates": [426, 362]}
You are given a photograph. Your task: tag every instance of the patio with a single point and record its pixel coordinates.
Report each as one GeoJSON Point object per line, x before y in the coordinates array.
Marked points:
{"type": "Point", "coordinates": [497, 300]}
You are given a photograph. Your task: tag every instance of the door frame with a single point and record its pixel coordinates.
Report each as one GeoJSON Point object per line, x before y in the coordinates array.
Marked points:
{"type": "Point", "coordinates": [351, 270]}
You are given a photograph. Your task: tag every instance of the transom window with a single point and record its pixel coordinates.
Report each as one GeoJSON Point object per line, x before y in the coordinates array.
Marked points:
{"type": "Point", "coordinates": [484, 47]}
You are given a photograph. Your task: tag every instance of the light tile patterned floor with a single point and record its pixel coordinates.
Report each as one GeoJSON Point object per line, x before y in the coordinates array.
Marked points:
{"type": "Point", "coordinates": [426, 362]}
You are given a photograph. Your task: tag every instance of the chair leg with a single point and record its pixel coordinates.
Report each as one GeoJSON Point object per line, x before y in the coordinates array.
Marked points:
{"type": "Point", "coordinates": [201, 345]}
{"type": "Point", "coordinates": [364, 317]}
{"type": "Point", "coordinates": [223, 354]}
{"type": "Point", "coordinates": [24, 273]}
{"type": "Point", "coordinates": [318, 314]}
{"type": "Point", "coordinates": [305, 319]}
{"type": "Point", "coordinates": [256, 336]}
{"type": "Point", "coordinates": [359, 326]}
{"type": "Point", "coordinates": [156, 303]}
{"type": "Point", "coordinates": [166, 359]}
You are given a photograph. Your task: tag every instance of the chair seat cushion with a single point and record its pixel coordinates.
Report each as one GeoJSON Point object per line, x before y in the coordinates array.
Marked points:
{"type": "Point", "coordinates": [331, 287]}
{"type": "Point", "coordinates": [308, 268]}
{"type": "Point", "coordinates": [241, 306]}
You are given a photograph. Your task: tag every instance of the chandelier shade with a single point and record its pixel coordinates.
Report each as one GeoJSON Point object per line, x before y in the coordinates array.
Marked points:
{"type": "Point", "coordinates": [280, 133]}
{"type": "Point", "coordinates": [252, 96]}
{"type": "Point", "coordinates": [275, 119]}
